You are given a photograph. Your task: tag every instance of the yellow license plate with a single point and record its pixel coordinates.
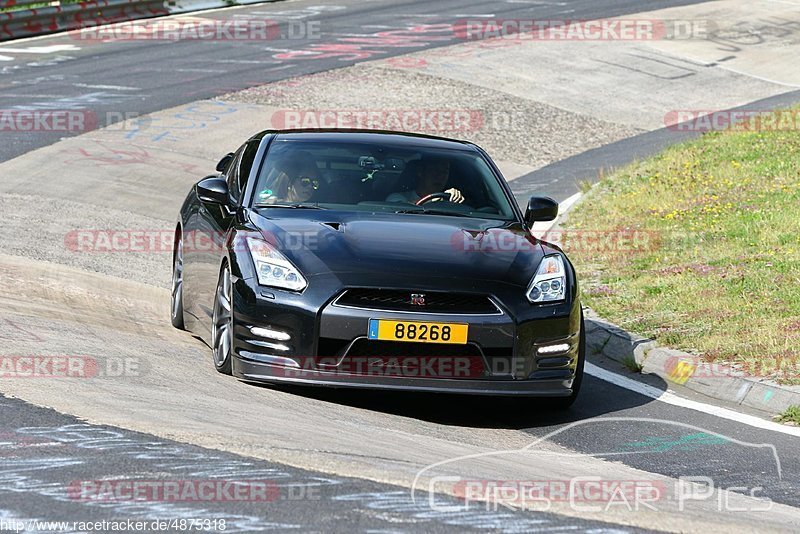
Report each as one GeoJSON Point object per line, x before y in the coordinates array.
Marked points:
{"type": "Point", "coordinates": [418, 332]}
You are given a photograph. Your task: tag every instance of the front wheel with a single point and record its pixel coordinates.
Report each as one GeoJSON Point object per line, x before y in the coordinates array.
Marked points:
{"type": "Point", "coordinates": [176, 303]}
{"type": "Point", "coordinates": [222, 323]}
{"type": "Point", "coordinates": [563, 403]}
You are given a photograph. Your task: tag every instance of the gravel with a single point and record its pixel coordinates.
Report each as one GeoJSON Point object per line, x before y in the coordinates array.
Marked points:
{"type": "Point", "coordinates": [512, 129]}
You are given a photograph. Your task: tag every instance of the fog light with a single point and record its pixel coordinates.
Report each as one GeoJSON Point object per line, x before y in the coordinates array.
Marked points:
{"type": "Point", "coordinates": [553, 349]}
{"type": "Point", "coordinates": [269, 333]}
{"type": "Point", "coordinates": [266, 344]}
{"type": "Point", "coordinates": [270, 359]}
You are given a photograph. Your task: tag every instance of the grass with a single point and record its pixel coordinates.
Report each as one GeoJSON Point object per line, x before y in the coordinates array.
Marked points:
{"type": "Point", "coordinates": [699, 248]}
{"type": "Point", "coordinates": [791, 415]}
{"type": "Point", "coordinates": [39, 5]}
{"type": "Point", "coordinates": [631, 364]}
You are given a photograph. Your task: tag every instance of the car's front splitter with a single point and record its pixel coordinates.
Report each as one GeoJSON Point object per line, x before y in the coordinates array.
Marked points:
{"type": "Point", "coordinates": [272, 374]}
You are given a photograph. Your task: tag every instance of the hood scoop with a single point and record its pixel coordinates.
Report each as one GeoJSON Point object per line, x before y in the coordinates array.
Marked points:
{"type": "Point", "coordinates": [336, 226]}
{"type": "Point", "coordinates": [474, 234]}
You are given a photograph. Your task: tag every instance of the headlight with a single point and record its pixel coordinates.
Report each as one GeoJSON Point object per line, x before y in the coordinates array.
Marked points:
{"type": "Point", "coordinates": [548, 283]}
{"type": "Point", "coordinates": [272, 267]}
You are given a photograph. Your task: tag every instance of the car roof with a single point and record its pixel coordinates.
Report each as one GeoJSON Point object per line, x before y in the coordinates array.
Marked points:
{"type": "Point", "coordinates": [372, 136]}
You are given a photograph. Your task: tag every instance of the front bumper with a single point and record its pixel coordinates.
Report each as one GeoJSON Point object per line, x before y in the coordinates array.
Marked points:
{"type": "Point", "coordinates": [259, 372]}
{"type": "Point", "coordinates": [502, 355]}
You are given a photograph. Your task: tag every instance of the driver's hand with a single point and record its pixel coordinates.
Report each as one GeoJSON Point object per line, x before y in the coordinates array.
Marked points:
{"type": "Point", "coordinates": [455, 195]}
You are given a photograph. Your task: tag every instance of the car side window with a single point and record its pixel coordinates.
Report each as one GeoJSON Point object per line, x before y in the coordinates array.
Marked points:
{"type": "Point", "coordinates": [246, 163]}
{"type": "Point", "coordinates": [232, 176]}
{"type": "Point", "coordinates": [238, 171]}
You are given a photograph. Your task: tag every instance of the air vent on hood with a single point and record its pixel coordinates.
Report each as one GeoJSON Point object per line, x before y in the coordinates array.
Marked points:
{"type": "Point", "coordinates": [339, 227]}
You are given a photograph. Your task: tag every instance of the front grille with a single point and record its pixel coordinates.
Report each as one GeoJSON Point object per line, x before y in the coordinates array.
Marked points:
{"type": "Point", "coordinates": [400, 300]}
{"type": "Point", "coordinates": [414, 360]}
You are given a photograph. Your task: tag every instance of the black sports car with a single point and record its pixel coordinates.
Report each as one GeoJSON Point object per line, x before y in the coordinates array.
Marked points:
{"type": "Point", "coordinates": [378, 260]}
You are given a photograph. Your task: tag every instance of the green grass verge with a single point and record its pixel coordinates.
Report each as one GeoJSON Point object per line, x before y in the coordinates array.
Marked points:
{"type": "Point", "coordinates": [791, 415]}
{"type": "Point", "coordinates": [717, 271]}
{"type": "Point", "coordinates": [38, 5]}
{"type": "Point", "coordinates": [632, 365]}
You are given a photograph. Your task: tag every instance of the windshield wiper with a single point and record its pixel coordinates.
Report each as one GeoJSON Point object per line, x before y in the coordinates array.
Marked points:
{"type": "Point", "coordinates": [435, 212]}
{"type": "Point", "coordinates": [295, 206]}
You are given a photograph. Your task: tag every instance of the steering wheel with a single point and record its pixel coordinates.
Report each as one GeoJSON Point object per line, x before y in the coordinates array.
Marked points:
{"type": "Point", "coordinates": [432, 197]}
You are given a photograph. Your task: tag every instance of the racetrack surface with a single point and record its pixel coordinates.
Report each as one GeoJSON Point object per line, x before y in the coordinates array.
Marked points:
{"type": "Point", "coordinates": [41, 449]}
{"type": "Point", "coordinates": [62, 72]}
{"type": "Point", "coordinates": [60, 298]}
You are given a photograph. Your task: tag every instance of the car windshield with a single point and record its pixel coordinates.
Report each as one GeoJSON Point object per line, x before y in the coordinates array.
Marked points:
{"type": "Point", "coordinates": [368, 177]}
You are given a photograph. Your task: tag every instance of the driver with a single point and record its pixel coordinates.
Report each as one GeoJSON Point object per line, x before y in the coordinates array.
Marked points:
{"type": "Point", "coordinates": [432, 177]}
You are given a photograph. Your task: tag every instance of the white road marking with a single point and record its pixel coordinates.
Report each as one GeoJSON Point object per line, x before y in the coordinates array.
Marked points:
{"type": "Point", "coordinates": [541, 228]}
{"type": "Point", "coordinates": [751, 75]}
{"type": "Point", "coordinates": [567, 204]}
{"type": "Point", "coordinates": [41, 49]}
{"type": "Point", "coordinates": [30, 95]}
{"type": "Point", "coordinates": [673, 399]}
{"type": "Point", "coordinates": [244, 61]}
{"type": "Point", "coordinates": [212, 71]}
{"type": "Point", "coordinates": [6, 58]}
{"type": "Point", "coordinates": [110, 87]}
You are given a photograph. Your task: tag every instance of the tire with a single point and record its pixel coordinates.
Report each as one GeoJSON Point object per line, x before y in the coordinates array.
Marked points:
{"type": "Point", "coordinates": [222, 323]}
{"type": "Point", "coordinates": [564, 403]}
{"type": "Point", "coordinates": [176, 299]}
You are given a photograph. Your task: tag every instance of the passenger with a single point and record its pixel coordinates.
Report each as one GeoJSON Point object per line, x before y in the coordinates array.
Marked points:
{"type": "Point", "coordinates": [295, 181]}
{"type": "Point", "coordinates": [301, 187]}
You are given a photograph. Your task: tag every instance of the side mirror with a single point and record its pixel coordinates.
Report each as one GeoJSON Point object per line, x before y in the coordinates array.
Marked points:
{"type": "Point", "coordinates": [223, 163]}
{"type": "Point", "coordinates": [213, 189]}
{"type": "Point", "coordinates": [541, 209]}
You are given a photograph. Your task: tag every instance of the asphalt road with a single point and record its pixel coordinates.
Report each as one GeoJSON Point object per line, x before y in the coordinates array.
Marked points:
{"type": "Point", "coordinates": [117, 79]}
{"type": "Point", "coordinates": [621, 425]}
{"type": "Point", "coordinates": [45, 453]}
{"type": "Point", "coordinates": [53, 466]}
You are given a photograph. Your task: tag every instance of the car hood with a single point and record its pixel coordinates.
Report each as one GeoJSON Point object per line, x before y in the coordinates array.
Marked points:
{"type": "Point", "coordinates": [395, 250]}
